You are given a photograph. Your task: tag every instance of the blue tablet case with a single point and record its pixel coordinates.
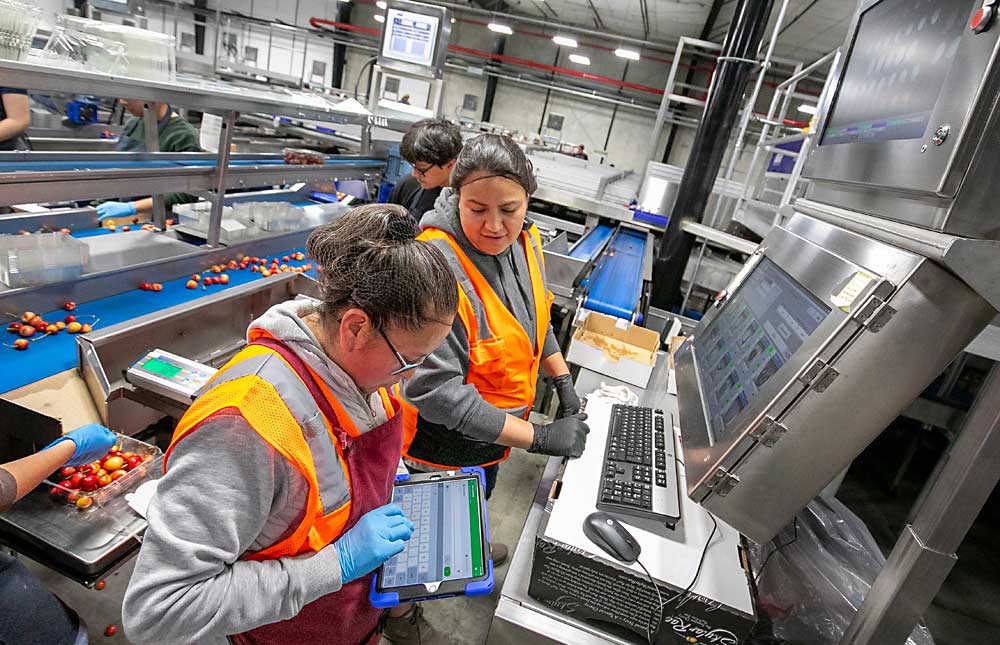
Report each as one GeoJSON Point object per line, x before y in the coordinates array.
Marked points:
{"type": "Point", "coordinates": [477, 588]}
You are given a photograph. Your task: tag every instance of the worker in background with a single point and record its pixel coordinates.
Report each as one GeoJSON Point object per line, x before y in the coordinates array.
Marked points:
{"type": "Point", "coordinates": [274, 507]}
{"type": "Point", "coordinates": [473, 394]}
{"type": "Point", "coordinates": [430, 146]}
{"type": "Point", "coordinates": [15, 118]}
{"type": "Point", "coordinates": [29, 612]}
{"type": "Point", "coordinates": [175, 135]}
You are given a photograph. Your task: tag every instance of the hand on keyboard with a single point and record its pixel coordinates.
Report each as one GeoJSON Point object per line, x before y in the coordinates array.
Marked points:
{"type": "Point", "coordinates": [564, 437]}
{"type": "Point", "coordinates": [378, 535]}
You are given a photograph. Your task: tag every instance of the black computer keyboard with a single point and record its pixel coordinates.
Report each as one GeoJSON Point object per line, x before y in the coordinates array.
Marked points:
{"type": "Point", "coordinates": [640, 473]}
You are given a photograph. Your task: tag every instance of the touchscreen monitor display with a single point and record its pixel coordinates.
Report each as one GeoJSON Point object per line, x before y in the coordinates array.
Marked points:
{"type": "Point", "coordinates": [901, 54]}
{"type": "Point", "coordinates": [758, 330]}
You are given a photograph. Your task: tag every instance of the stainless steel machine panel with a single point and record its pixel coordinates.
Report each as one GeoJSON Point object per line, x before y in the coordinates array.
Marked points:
{"type": "Point", "coordinates": [912, 112]}
{"type": "Point", "coordinates": [895, 320]}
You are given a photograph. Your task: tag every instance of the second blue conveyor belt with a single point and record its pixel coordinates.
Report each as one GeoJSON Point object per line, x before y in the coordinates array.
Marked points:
{"type": "Point", "coordinates": [615, 286]}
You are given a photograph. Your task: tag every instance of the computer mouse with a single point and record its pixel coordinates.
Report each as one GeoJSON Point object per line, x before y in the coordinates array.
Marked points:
{"type": "Point", "coordinates": [613, 538]}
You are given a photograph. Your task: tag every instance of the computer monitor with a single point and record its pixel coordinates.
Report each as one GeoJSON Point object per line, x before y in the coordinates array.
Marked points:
{"type": "Point", "coordinates": [415, 38]}
{"type": "Point", "coordinates": [895, 70]}
{"type": "Point", "coordinates": [914, 91]}
{"type": "Point", "coordinates": [756, 333]}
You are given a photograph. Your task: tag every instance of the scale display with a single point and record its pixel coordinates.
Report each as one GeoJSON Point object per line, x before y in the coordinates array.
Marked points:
{"type": "Point", "coordinates": [172, 376]}
{"type": "Point", "coordinates": [901, 54]}
{"type": "Point", "coordinates": [763, 324]}
{"type": "Point", "coordinates": [410, 37]}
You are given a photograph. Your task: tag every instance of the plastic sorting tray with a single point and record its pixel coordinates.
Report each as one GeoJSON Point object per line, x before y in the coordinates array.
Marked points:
{"type": "Point", "coordinates": [102, 497]}
{"type": "Point", "coordinates": [41, 258]}
{"type": "Point", "coordinates": [18, 22]}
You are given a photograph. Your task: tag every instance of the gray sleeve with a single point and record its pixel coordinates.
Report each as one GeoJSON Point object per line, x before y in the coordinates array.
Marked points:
{"type": "Point", "coordinates": [8, 490]}
{"type": "Point", "coordinates": [438, 389]}
{"type": "Point", "coordinates": [189, 584]}
{"type": "Point", "coordinates": [551, 345]}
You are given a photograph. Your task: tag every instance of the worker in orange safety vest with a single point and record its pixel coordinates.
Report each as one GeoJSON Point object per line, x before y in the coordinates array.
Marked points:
{"type": "Point", "coordinates": [273, 510]}
{"type": "Point", "coordinates": [468, 404]}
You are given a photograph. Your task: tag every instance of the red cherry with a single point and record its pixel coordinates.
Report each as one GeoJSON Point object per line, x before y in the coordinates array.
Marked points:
{"type": "Point", "coordinates": [67, 471]}
{"type": "Point", "coordinates": [110, 630]}
{"type": "Point", "coordinates": [100, 585]}
{"type": "Point", "coordinates": [69, 306]}
{"type": "Point", "coordinates": [74, 481]}
{"type": "Point", "coordinates": [88, 484]}
{"type": "Point", "coordinates": [70, 318]}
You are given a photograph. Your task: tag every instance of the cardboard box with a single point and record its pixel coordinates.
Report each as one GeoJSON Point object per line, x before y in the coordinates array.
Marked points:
{"type": "Point", "coordinates": [614, 347]}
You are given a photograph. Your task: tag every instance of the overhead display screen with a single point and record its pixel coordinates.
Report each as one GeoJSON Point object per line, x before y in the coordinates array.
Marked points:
{"type": "Point", "coordinates": [765, 322]}
{"type": "Point", "coordinates": [902, 52]}
{"type": "Point", "coordinates": [410, 37]}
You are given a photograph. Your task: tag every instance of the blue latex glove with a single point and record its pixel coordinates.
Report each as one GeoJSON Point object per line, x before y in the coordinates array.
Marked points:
{"type": "Point", "coordinates": [92, 441]}
{"type": "Point", "coordinates": [378, 535]}
{"type": "Point", "coordinates": [115, 209]}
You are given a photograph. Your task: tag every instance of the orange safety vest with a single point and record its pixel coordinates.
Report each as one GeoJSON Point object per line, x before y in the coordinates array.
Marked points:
{"type": "Point", "coordinates": [259, 385]}
{"type": "Point", "coordinates": [503, 360]}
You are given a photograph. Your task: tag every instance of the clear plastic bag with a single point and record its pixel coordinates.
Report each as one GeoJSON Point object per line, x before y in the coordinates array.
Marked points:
{"type": "Point", "coordinates": [812, 585]}
{"type": "Point", "coordinates": [149, 55]}
{"type": "Point", "coordinates": [72, 49]}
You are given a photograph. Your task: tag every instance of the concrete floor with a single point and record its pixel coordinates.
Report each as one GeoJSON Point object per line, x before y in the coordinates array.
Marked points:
{"type": "Point", "coordinates": [467, 619]}
{"type": "Point", "coordinates": [965, 611]}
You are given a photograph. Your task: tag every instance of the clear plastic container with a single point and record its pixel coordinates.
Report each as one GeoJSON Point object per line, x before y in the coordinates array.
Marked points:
{"type": "Point", "coordinates": [152, 460]}
{"type": "Point", "coordinates": [72, 49]}
{"type": "Point", "coordinates": [150, 55]}
{"type": "Point", "coordinates": [18, 22]}
{"type": "Point", "coordinates": [41, 258]}
{"type": "Point", "coordinates": [277, 217]}
{"type": "Point", "coordinates": [198, 214]}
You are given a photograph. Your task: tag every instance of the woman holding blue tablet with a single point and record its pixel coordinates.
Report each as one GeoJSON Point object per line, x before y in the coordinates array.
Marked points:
{"type": "Point", "coordinates": [473, 394]}
{"type": "Point", "coordinates": [273, 510]}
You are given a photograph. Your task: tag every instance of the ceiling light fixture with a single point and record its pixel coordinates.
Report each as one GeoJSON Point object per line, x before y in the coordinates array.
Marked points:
{"type": "Point", "coordinates": [500, 28]}
{"type": "Point", "coordinates": [564, 41]}
{"type": "Point", "coordinates": [379, 18]}
{"type": "Point", "coordinates": [381, 5]}
{"type": "Point", "coordinates": [579, 60]}
{"type": "Point", "coordinates": [808, 109]}
{"type": "Point", "coordinates": [630, 54]}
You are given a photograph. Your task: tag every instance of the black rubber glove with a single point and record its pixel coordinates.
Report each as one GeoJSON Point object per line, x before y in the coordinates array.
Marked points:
{"type": "Point", "coordinates": [565, 437]}
{"type": "Point", "coordinates": [569, 402]}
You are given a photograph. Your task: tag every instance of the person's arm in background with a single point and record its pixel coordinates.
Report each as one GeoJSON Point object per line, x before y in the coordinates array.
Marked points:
{"type": "Point", "coordinates": [86, 443]}
{"type": "Point", "coordinates": [174, 139]}
{"type": "Point", "coordinates": [15, 104]}
{"type": "Point", "coordinates": [438, 389]}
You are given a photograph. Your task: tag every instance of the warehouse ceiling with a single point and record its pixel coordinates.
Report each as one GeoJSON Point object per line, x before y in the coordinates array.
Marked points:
{"type": "Point", "coordinates": [811, 27]}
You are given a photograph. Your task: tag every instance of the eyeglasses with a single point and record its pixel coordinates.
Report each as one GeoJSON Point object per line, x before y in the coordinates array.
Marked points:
{"type": "Point", "coordinates": [423, 171]}
{"type": "Point", "coordinates": [404, 366]}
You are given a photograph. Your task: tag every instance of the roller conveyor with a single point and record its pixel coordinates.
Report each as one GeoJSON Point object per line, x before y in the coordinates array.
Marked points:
{"type": "Point", "coordinates": [615, 286]}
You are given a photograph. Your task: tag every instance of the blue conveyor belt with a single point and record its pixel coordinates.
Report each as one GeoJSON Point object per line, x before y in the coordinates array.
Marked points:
{"type": "Point", "coordinates": [58, 353]}
{"type": "Point", "coordinates": [616, 284]}
{"type": "Point", "coordinates": [591, 243]}
{"type": "Point", "coordinates": [49, 166]}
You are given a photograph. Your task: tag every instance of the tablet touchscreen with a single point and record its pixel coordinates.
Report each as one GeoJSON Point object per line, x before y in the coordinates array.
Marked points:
{"type": "Point", "coordinates": [447, 541]}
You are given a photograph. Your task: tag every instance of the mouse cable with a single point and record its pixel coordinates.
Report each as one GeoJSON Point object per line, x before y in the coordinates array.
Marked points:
{"type": "Point", "coordinates": [659, 600]}
{"type": "Point", "coordinates": [687, 590]}
{"type": "Point", "coordinates": [795, 529]}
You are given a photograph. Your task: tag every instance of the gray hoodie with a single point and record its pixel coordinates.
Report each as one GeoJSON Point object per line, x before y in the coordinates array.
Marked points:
{"type": "Point", "coordinates": [228, 493]}
{"type": "Point", "coordinates": [438, 388]}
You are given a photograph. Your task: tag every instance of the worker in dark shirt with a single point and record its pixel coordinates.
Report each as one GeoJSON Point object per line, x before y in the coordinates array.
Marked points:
{"type": "Point", "coordinates": [15, 117]}
{"type": "Point", "coordinates": [430, 146]}
{"type": "Point", "coordinates": [175, 135]}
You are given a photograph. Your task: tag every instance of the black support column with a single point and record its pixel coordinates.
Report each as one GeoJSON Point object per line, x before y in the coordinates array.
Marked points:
{"type": "Point", "coordinates": [491, 81]}
{"type": "Point", "coordinates": [340, 51]}
{"type": "Point", "coordinates": [201, 8]}
{"type": "Point", "coordinates": [735, 64]}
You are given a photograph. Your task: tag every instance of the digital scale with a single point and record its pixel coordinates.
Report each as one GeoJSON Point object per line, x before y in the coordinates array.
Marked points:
{"type": "Point", "coordinates": [169, 375]}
